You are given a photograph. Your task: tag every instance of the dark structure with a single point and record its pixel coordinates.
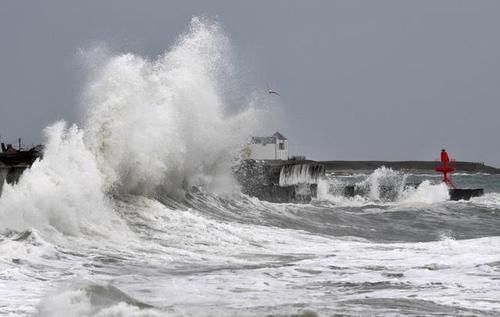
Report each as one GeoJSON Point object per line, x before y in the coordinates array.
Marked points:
{"type": "Point", "coordinates": [388, 193]}
{"type": "Point", "coordinates": [279, 181]}
{"type": "Point", "coordinates": [14, 161]}
{"type": "Point", "coordinates": [465, 194]}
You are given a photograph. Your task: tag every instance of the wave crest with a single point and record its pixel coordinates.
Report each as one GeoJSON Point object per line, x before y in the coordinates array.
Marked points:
{"type": "Point", "coordinates": [163, 123]}
{"type": "Point", "coordinates": [152, 127]}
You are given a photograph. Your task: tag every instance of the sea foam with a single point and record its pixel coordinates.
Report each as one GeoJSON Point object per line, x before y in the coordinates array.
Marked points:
{"type": "Point", "coordinates": [151, 127]}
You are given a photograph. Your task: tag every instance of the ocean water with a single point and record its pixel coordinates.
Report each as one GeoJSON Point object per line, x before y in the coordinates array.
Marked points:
{"type": "Point", "coordinates": [135, 213]}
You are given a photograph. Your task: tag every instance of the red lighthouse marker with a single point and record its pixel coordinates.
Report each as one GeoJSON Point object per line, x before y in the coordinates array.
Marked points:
{"type": "Point", "coordinates": [446, 168]}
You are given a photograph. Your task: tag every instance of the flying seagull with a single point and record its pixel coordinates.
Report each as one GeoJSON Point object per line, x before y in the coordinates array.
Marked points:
{"type": "Point", "coordinates": [273, 92]}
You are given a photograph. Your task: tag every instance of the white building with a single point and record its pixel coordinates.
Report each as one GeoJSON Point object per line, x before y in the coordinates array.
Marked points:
{"type": "Point", "coordinates": [273, 147]}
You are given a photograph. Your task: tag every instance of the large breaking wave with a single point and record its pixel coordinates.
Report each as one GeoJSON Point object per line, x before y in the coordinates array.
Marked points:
{"type": "Point", "coordinates": [151, 127]}
{"type": "Point", "coordinates": [121, 217]}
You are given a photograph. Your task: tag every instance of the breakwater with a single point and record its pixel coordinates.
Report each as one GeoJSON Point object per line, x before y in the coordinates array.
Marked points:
{"type": "Point", "coordinates": [280, 181]}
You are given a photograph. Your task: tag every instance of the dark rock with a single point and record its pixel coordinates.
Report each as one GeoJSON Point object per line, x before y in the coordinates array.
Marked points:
{"type": "Point", "coordinates": [465, 194]}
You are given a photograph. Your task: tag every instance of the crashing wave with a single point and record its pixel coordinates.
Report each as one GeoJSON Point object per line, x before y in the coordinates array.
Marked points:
{"type": "Point", "coordinates": [152, 127]}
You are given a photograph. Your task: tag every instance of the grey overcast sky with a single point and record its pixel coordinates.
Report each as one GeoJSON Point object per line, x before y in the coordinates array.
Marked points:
{"type": "Point", "coordinates": [390, 80]}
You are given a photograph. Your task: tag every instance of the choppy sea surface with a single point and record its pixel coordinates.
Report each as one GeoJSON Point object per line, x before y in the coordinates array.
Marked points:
{"type": "Point", "coordinates": [134, 212]}
{"type": "Point", "coordinates": [237, 256]}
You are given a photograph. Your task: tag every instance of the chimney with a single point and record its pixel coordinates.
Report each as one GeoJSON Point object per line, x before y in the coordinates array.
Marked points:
{"type": "Point", "coordinates": [4, 149]}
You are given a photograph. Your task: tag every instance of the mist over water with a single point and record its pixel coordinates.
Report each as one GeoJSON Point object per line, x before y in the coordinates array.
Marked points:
{"type": "Point", "coordinates": [62, 192]}
{"type": "Point", "coordinates": [136, 213]}
{"type": "Point", "coordinates": [151, 127]}
{"type": "Point", "coordinates": [163, 123]}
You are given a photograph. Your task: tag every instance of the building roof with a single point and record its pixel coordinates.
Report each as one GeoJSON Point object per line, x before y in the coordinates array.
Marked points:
{"type": "Point", "coordinates": [267, 139]}
{"type": "Point", "coordinates": [279, 136]}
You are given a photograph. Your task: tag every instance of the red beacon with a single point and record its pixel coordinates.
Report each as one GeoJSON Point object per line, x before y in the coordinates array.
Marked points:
{"type": "Point", "coordinates": [446, 167]}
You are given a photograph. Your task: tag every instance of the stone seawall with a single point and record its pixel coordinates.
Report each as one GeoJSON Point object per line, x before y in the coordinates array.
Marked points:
{"type": "Point", "coordinates": [279, 181]}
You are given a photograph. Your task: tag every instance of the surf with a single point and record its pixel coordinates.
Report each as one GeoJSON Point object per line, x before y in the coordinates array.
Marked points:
{"type": "Point", "coordinates": [152, 127]}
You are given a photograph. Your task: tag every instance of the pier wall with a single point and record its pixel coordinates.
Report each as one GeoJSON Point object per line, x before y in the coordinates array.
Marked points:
{"type": "Point", "coordinates": [279, 181]}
